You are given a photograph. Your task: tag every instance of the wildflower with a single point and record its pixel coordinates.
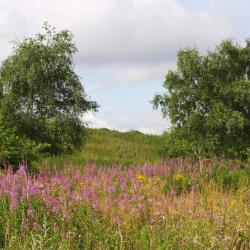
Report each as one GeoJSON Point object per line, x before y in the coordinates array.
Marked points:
{"type": "Point", "coordinates": [141, 206]}
{"type": "Point", "coordinates": [123, 186]}
{"type": "Point", "coordinates": [36, 225]}
{"type": "Point", "coordinates": [179, 177]}
{"type": "Point", "coordinates": [32, 190]}
{"type": "Point", "coordinates": [95, 205]}
{"type": "Point", "coordinates": [173, 192]}
{"type": "Point", "coordinates": [86, 194]}
{"type": "Point", "coordinates": [157, 179]}
{"type": "Point", "coordinates": [30, 212]}
{"type": "Point", "coordinates": [141, 177]}
{"type": "Point", "coordinates": [149, 180]}
{"type": "Point", "coordinates": [13, 199]}
{"type": "Point", "coordinates": [110, 188]}
{"type": "Point", "coordinates": [54, 204]}
{"type": "Point", "coordinates": [136, 184]}
{"type": "Point", "coordinates": [133, 198]}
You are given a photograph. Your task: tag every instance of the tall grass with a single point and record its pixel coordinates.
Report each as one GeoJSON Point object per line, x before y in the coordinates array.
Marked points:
{"type": "Point", "coordinates": [105, 148]}
{"type": "Point", "coordinates": [173, 205]}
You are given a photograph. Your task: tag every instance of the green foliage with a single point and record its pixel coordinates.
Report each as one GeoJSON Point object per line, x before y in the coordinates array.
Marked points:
{"type": "Point", "coordinates": [107, 147]}
{"type": "Point", "coordinates": [15, 149]}
{"type": "Point", "coordinates": [41, 95]}
{"type": "Point", "coordinates": [232, 180]}
{"type": "Point", "coordinates": [208, 102]}
{"type": "Point", "coordinates": [179, 184]}
{"type": "Point", "coordinates": [173, 145]}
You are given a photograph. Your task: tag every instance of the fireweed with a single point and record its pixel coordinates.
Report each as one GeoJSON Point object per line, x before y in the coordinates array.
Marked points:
{"type": "Point", "coordinates": [149, 195]}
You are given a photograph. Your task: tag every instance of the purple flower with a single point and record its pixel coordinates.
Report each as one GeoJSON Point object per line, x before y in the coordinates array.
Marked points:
{"type": "Point", "coordinates": [30, 212]}
{"type": "Point", "coordinates": [123, 186]}
{"type": "Point", "coordinates": [110, 188]}
{"type": "Point", "coordinates": [86, 194]}
{"type": "Point", "coordinates": [95, 205]}
{"type": "Point", "coordinates": [173, 191]}
{"type": "Point", "coordinates": [13, 199]}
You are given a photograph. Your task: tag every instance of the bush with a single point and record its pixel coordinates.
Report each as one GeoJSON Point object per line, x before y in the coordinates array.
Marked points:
{"type": "Point", "coordinates": [15, 149]}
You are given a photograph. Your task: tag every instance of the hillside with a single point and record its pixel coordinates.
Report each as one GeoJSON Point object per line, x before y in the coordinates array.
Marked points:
{"type": "Point", "coordinates": [109, 147]}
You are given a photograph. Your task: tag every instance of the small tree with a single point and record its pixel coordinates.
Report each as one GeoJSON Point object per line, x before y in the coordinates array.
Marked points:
{"type": "Point", "coordinates": [40, 93]}
{"type": "Point", "coordinates": [208, 102]}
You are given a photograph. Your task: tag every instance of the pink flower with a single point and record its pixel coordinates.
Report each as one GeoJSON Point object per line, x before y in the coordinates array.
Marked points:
{"type": "Point", "coordinates": [123, 186]}
{"type": "Point", "coordinates": [173, 191]}
{"type": "Point", "coordinates": [30, 212]}
{"type": "Point", "coordinates": [110, 188]}
{"type": "Point", "coordinates": [13, 199]}
{"type": "Point", "coordinates": [95, 205]}
{"type": "Point", "coordinates": [86, 194]}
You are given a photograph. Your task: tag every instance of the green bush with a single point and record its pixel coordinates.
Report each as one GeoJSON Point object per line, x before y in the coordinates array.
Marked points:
{"type": "Point", "coordinates": [15, 149]}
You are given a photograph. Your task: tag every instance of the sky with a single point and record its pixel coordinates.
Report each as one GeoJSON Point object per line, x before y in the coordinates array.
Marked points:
{"type": "Point", "coordinates": [126, 47]}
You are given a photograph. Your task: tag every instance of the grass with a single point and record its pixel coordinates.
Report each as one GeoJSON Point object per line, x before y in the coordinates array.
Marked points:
{"type": "Point", "coordinates": [117, 193]}
{"type": "Point", "coordinates": [115, 208]}
{"type": "Point", "coordinates": [106, 147]}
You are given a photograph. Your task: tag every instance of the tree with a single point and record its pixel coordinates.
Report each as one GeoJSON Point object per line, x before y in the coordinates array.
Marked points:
{"type": "Point", "coordinates": [208, 101]}
{"type": "Point", "coordinates": [40, 93]}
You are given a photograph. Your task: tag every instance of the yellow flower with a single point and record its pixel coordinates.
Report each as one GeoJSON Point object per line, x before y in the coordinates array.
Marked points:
{"type": "Point", "coordinates": [141, 177]}
{"type": "Point", "coordinates": [157, 179]}
{"type": "Point", "coordinates": [179, 177]}
{"type": "Point", "coordinates": [149, 180]}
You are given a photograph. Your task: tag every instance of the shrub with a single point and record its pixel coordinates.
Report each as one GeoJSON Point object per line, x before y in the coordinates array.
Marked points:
{"type": "Point", "coordinates": [15, 149]}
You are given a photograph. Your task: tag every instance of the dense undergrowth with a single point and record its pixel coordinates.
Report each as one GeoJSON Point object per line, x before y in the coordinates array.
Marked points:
{"type": "Point", "coordinates": [170, 205]}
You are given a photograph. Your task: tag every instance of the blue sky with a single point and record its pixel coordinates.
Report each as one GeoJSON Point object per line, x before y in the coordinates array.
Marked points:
{"type": "Point", "coordinates": [127, 46]}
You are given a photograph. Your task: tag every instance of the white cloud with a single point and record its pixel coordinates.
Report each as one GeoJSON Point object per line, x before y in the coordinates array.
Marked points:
{"type": "Point", "coordinates": [137, 73]}
{"type": "Point", "coordinates": [95, 122]}
{"type": "Point", "coordinates": [113, 31]}
{"type": "Point", "coordinates": [149, 122]}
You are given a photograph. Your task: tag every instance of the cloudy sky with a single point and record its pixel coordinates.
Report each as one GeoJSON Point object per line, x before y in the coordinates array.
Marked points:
{"type": "Point", "coordinates": [127, 46]}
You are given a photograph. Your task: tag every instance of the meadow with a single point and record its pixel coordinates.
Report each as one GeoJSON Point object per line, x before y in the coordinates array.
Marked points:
{"type": "Point", "coordinates": [106, 147]}
{"type": "Point", "coordinates": [65, 186]}
{"type": "Point", "coordinates": [142, 203]}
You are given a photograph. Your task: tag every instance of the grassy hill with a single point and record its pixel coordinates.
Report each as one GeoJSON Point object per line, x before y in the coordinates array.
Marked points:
{"type": "Point", "coordinates": [108, 147]}
{"type": "Point", "coordinates": [178, 204]}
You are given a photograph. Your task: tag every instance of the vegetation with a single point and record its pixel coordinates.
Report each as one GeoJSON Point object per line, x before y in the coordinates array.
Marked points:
{"type": "Point", "coordinates": [173, 205]}
{"type": "Point", "coordinates": [106, 148]}
{"type": "Point", "coordinates": [41, 95]}
{"type": "Point", "coordinates": [115, 191]}
{"type": "Point", "coordinates": [208, 102]}
{"type": "Point", "coordinates": [15, 149]}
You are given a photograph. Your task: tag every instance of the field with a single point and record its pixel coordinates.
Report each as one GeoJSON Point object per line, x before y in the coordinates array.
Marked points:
{"type": "Point", "coordinates": [106, 147]}
{"type": "Point", "coordinates": [118, 194]}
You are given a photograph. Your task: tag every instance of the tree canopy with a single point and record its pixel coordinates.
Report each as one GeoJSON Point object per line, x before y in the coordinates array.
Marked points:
{"type": "Point", "coordinates": [207, 99]}
{"type": "Point", "coordinates": [40, 93]}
